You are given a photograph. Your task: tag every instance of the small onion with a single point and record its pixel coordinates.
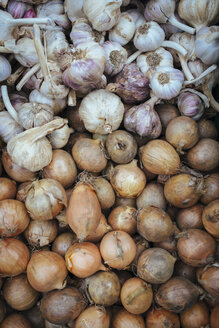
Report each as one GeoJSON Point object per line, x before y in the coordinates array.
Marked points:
{"type": "Point", "coordinates": [7, 189]}
{"type": "Point", "coordinates": [160, 318]}
{"type": "Point", "coordinates": [41, 233]}
{"type": "Point", "coordinates": [207, 129]}
{"type": "Point", "coordinates": [214, 318]}
{"type": "Point", "coordinates": [208, 278]}
{"type": "Point", "coordinates": [123, 218]}
{"type": "Point", "coordinates": [15, 320]}
{"type": "Point", "coordinates": [93, 316]}
{"type": "Point", "coordinates": [190, 218]}
{"type": "Point", "coordinates": [210, 218]}
{"type": "Point", "coordinates": [211, 188]}
{"type": "Point", "coordinates": [184, 270]}
{"type": "Point", "coordinates": [62, 242]}
{"type": "Point", "coordinates": [124, 319]}
{"type": "Point", "coordinates": [100, 231]}
{"type": "Point", "coordinates": [195, 317]}
{"type": "Point", "coordinates": [152, 195]}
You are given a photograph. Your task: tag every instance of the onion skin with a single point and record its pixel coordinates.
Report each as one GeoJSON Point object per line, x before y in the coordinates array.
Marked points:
{"type": "Point", "coordinates": [190, 218]}
{"type": "Point", "coordinates": [214, 318]}
{"type": "Point", "coordinates": [210, 218]}
{"type": "Point", "coordinates": [166, 112]}
{"type": "Point", "coordinates": [101, 230]}
{"type": "Point", "coordinates": [177, 294]}
{"type": "Point", "coordinates": [7, 188]}
{"type": "Point", "coordinates": [141, 245]}
{"type": "Point", "coordinates": [104, 192]}
{"type": "Point", "coordinates": [73, 138]}
{"type": "Point", "coordinates": [207, 129]}
{"type": "Point", "coordinates": [196, 247]}
{"type": "Point", "coordinates": [184, 270]}
{"type": "Point", "coordinates": [211, 189]}
{"type": "Point", "coordinates": [15, 320]}
{"type": "Point", "coordinates": [169, 244]}
{"type": "Point", "coordinates": [124, 319]}
{"type": "Point", "coordinates": [123, 218]}
{"type": "Point", "coordinates": [152, 195]}
{"type": "Point", "coordinates": [159, 157]}
{"type": "Point", "coordinates": [14, 256]}
{"type": "Point", "coordinates": [35, 317]}
{"type": "Point", "coordinates": [13, 218]}
{"type": "Point", "coordinates": [208, 278]}
{"type": "Point", "coordinates": [160, 318]}
{"type": "Point", "coordinates": [93, 316]}
{"type": "Point", "coordinates": [196, 316]}
{"type": "Point", "coordinates": [62, 243]}
{"type": "Point", "coordinates": [41, 233]}
{"type": "Point", "coordinates": [46, 271]}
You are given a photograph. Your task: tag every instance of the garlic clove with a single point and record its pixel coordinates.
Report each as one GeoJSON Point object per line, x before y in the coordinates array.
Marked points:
{"type": "Point", "coordinates": [73, 9]}
{"type": "Point", "coordinates": [5, 68]}
{"type": "Point", "coordinates": [124, 30]}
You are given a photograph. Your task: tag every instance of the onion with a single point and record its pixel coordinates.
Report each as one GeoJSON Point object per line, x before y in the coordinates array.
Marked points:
{"type": "Point", "coordinates": [14, 256]}
{"type": "Point", "coordinates": [128, 179]}
{"type": "Point", "coordinates": [208, 278]}
{"type": "Point", "coordinates": [62, 242]}
{"type": "Point", "coordinates": [118, 249]}
{"type": "Point", "coordinates": [15, 320]}
{"type": "Point", "coordinates": [46, 271]}
{"type": "Point", "coordinates": [13, 218]}
{"type": "Point", "coordinates": [204, 156]}
{"type": "Point", "coordinates": [211, 188]}
{"type": "Point", "coordinates": [83, 259]}
{"type": "Point", "coordinates": [74, 120]}
{"type": "Point", "coordinates": [196, 247]}
{"type": "Point", "coordinates": [123, 218]}
{"type": "Point", "coordinates": [62, 168]}
{"type": "Point", "coordinates": [184, 270]}
{"type": "Point", "coordinates": [190, 218]}
{"type": "Point", "coordinates": [166, 112]}
{"type": "Point", "coordinates": [121, 146]}
{"type": "Point", "coordinates": [89, 155]}
{"type": "Point", "coordinates": [93, 316]}
{"type": "Point", "coordinates": [154, 224]}
{"type": "Point", "coordinates": [100, 231]}
{"type": "Point", "coordinates": [182, 133]}
{"type": "Point", "coordinates": [207, 129]}
{"type": "Point", "coordinates": [62, 306]}
{"type": "Point", "coordinates": [210, 218]}
{"type": "Point", "coordinates": [19, 294]}
{"type": "Point", "coordinates": [136, 296]}
{"type": "Point", "coordinates": [195, 317]}
{"type": "Point", "coordinates": [41, 233]}
{"type": "Point", "coordinates": [183, 190]}
{"type": "Point", "coordinates": [84, 211]}
{"type": "Point", "coordinates": [152, 195]}
{"type": "Point", "coordinates": [124, 319]}
{"type": "Point", "coordinates": [103, 288]}
{"type": "Point", "coordinates": [7, 188]}
{"type": "Point", "coordinates": [22, 191]}
{"type": "Point", "coordinates": [141, 245]}
{"type": "Point", "coordinates": [35, 317]}
{"type": "Point", "coordinates": [2, 310]}
{"type": "Point", "coordinates": [159, 157]}
{"type": "Point", "coordinates": [177, 294]}
{"type": "Point", "coordinates": [169, 244]}
{"type": "Point", "coordinates": [155, 265]}
{"type": "Point", "coordinates": [160, 318]}
{"type": "Point", "coordinates": [14, 171]}
{"type": "Point", "coordinates": [73, 138]}
{"type": "Point", "coordinates": [121, 201]}
{"type": "Point", "coordinates": [214, 318]}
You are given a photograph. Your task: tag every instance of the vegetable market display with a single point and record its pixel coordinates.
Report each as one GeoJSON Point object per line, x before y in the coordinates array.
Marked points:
{"type": "Point", "coordinates": [109, 181]}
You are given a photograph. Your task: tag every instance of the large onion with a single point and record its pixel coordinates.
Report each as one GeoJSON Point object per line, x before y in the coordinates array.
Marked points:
{"type": "Point", "coordinates": [160, 318]}
{"type": "Point", "coordinates": [123, 218]}
{"type": "Point", "coordinates": [16, 320]}
{"type": "Point", "coordinates": [100, 231]}
{"type": "Point", "coordinates": [208, 278]}
{"type": "Point", "coordinates": [190, 218]}
{"type": "Point", "coordinates": [152, 195]}
{"type": "Point", "coordinates": [196, 316]}
{"type": "Point", "coordinates": [93, 316]}
{"type": "Point", "coordinates": [41, 233]}
{"type": "Point", "coordinates": [124, 319]}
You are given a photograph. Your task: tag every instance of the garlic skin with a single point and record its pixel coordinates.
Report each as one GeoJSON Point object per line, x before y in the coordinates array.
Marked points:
{"type": "Point", "coordinates": [16, 8]}
{"type": "Point", "coordinates": [167, 82]}
{"type": "Point", "coordinates": [190, 105]}
{"type": "Point", "coordinates": [30, 13]}
{"type": "Point", "coordinates": [137, 17]}
{"type": "Point", "coordinates": [56, 44]}
{"type": "Point", "coordinates": [170, 29]}
{"type": "Point", "coordinates": [5, 68]}
{"type": "Point", "coordinates": [148, 37]}
{"type": "Point", "coordinates": [57, 105]}
{"type": "Point", "coordinates": [74, 9]}
{"type": "Point", "coordinates": [18, 100]}
{"type": "Point", "coordinates": [150, 61]}
{"type": "Point", "coordinates": [116, 57]}
{"type": "Point", "coordinates": [54, 9]}
{"type": "Point", "coordinates": [101, 111]}
{"type": "Point", "coordinates": [124, 30]}
{"type": "Point", "coordinates": [59, 137]}
{"type": "Point", "coordinates": [103, 14]}
{"type": "Point", "coordinates": [196, 67]}
{"type": "Point", "coordinates": [8, 126]}
{"type": "Point", "coordinates": [207, 45]}
{"type": "Point", "coordinates": [32, 115]}
{"type": "Point", "coordinates": [187, 41]}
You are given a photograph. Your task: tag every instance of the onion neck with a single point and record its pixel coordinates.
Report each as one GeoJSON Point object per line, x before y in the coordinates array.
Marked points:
{"type": "Point", "coordinates": [172, 19]}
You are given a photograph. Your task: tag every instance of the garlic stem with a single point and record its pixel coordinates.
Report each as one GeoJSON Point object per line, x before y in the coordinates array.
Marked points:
{"type": "Point", "coordinates": [203, 74]}
{"type": "Point", "coordinates": [206, 90]}
{"type": "Point", "coordinates": [175, 46]}
{"type": "Point", "coordinates": [28, 75]}
{"type": "Point", "coordinates": [172, 19]}
{"type": "Point", "coordinates": [8, 104]}
{"type": "Point", "coordinates": [133, 57]}
{"type": "Point", "coordinates": [72, 100]}
{"type": "Point", "coordinates": [13, 77]}
{"type": "Point", "coordinates": [31, 21]}
{"type": "Point", "coordinates": [185, 68]}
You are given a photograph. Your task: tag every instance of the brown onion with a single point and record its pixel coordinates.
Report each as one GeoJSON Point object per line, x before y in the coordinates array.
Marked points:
{"type": "Point", "coordinates": [211, 188]}
{"type": "Point", "coordinates": [41, 233]}
{"type": "Point", "coordinates": [19, 294]}
{"type": "Point", "coordinates": [89, 155]}
{"type": "Point", "coordinates": [204, 156]}
{"type": "Point", "coordinates": [35, 317]}
{"type": "Point", "coordinates": [184, 270]}
{"type": "Point", "coordinates": [141, 245]}
{"type": "Point", "coordinates": [195, 317]}
{"type": "Point", "coordinates": [100, 231]}
{"type": "Point", "coordinates": [124, 319]}
{"type": "Point", "coordinates": [93, 316]}
{"type": "Point", "coordinates": [155, 265]}
{"type": "Point", "coordinates": [166, 112]}
{"type": "Point", "coordinates": [61, 168]}
{"type": "Point", "coordinates": [182, 133]}
{"type": "Point", "coordinates": [16, 320]}
{"type": "Point", "coordinates": [121, 146]}
{"type": "Point", "coordinates": [154, 224]}
{"type": "Point", "coordinates": [73, 138]}
{"type": "Point", "coordinates": [183, 190]}
{"type": "Point", "coordinates": [14, 256]}
{"type": "Point", "coordinates": [196, 247]}
{"type": "Point", "coordinates": [169, 244]}
{"type": "Point", "coordinates": [123, 218]}
{"type": "Point", "coordinates": [121, 201]}
{"type": "Point", "coordinates": [159, 157]}
{"type": "Point", "coordinates": [190, 218]}
{"type": "Point", "coordinates": [62, 242]}
{"type": "Point", "coordinates": [84, 211]}
{"type": "Point", "coordinates": [177, 294]}
{"type": "Point", "coordinates": [7, 188]}
{"type": "Point", "coordinates": [207, 129]}
{"type": "Point", "coordinates": [214, 318]}
{"type": "Point", "coordinates": [83, 259]}
{"type": "Point", "coordinates": [103, 288]}
{"type": "Point", "coordinates": [152, 195]}
{"type": "Point", "coordinates": [136, 296]}
{"type": "Point", "coordinates": [74, 120]}
{"type": "Point", "coordinates": [160, 318]}
{"type": "Point", "coordinates": [13, 218]}
{"type": "Point", "coordinates": [14, 171]}
{"type": "Point", "coordinates": [128, 179]}
{"type": "Point", "coordinates": [46, 271]}
{"type": "Point", "coordinates": [62, 306]}
{"type": "Point", "coordinates": [208, 278]}
{"type": "Point", "coordinates": [22, 191]}
{"type": "Point", "coordinates": [210, 218]}
{"type": "Point", "coordinates": [118, 249]}
{"type": "Point", "coordinates": [2, 310]}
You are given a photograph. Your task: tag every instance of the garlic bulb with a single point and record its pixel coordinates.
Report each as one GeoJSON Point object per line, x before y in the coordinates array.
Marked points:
{"type": "Point", "coordinates": [101, 111]}
{"type": "Point", "coordinates": [73, 9]}
{"type": "Point", "coordinates": [207, 45]}
{"type": "Point", "coordinates": [57, 105]}
{"type": "Point", "coordinates": [56, 44]}
{"type": "Point", "coordinates": [116, 57]}
{"type": "Point", "coordinates": [31, 149]}
{"type": "Point", "coordinates": [59, 138]}
{"type": "Point", "coordinates": [196, 67]}
{"type": "Point", "coordinates": [167, 82]}
{"type": "Point", "coordinates": [8, 126]}
{"type": "Point", "coordinates": [5, 68]}
{"type": "Point", "coordinates": [103, 14]}
{"type": "Point", "coordinates": [30, 13]}
{"type": "Point", "coordinates": [16, 8]}
{"type": "Point", "coordinates": [32, 115]}
{"type": "Point", "coordinates": [190, 105]}
{"type": "Point", "coordinates": [150, 61]}
{"type": "Point", "coordinates": [54, 9]}
{"type": "Point", "coordinates": [124, 30]}
{"type": "Point", "coordinates": [137, 17]}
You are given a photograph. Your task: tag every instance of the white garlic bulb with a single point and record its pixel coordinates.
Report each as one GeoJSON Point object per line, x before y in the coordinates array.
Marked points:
{"type": "Point", "coordinates": [32, 115]}
{"type": "Point", "coordinates": [116, 57]}
{"type": "Point", "coordinates": [53, 9]}
{"type": "Point", "coordinates": [207, 45]}
{"type": "Point", "coordinates": [8, 126]}
{"type": "Point", "coordinates": [148, 36]}
{"type": "Point", "coordinates": [59, 137]}
{"type": "Point", "coordinates": [103, 14]}
{"type": "Point", "coordinates": [166, 82]}
{"type": "Point", "coordinates": [101, 111]}
{"type": "Point", "coordinates": [56, 44]}
{"type": "Point", "coordinates": [124, 30]}
{"type": "Point", "coordinates": [73, 9]}
{"type": "Point", "coordinates": [5, 68]}
{"type": "Point", "coordinates": [56, 104]}
{"type": "Point", "coordinates": [137, 16]}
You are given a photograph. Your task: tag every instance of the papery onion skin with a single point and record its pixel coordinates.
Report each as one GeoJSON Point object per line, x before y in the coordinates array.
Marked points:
{"type": "Point", "coordinates": [123, 218]}
{"type": "Point", "coordinates": [184, 270]}
{"type": "Point", "coordinates": [7, 189]}
{"type": "Point", "coordinates": [124, 319]}
{"type": "Point", "coordinates": [208, 278]}
{"type": "Point", "coordinates": [211, 188]}
{"type": "Point", "coordinates": [214, 318]}
{"type": "Point", "coordinates": [196, 316]}
{"type": "Point", "coordinates": [169, 244]}
{"type": "Point", "coordinates": [190, 218]}
{"type": "Point", "coordinates": [104, 192]}
{"type": "Point", "coordinates": [161, 318]}
{"type": "Point", "coordinates": [102, 228]}
{"type": "Point", "coordinates": [41, 233]}
{"type": "Point", "coordinates": [15, 320]}
{"type": "Point", "coordinates": [210, 218]}
{"type": "Point", "coordinates": [93, 316]}
{"type": "Point", "coordinates": [62, 242]}
{"type": "Point", "coordinates": [141, 245]}
{"type": "Point", "coordinates": [152, 195]}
